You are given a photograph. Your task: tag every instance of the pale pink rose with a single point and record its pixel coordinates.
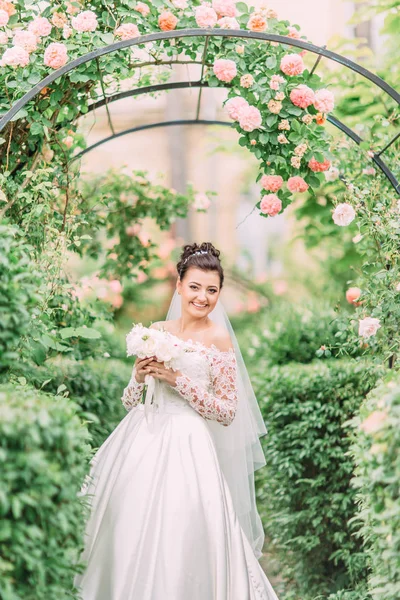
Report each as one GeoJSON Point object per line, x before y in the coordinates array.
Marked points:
{"type": "Point", "coordinates": [145, 238]}
{"type": "Point", "coordinates": [398, 287]}
{"type": "Point", "coordinates": [201, 202]}
{"type": "Point", "coordinates": [72, 9]}
{"type": "Point", "coordinates": [127, 31]}
{"type": "Point", "coordinates": [67, 32]}
{"type": "Point", "coordinates": [55, 55]}
{"type": "Point", "coordinates": [297, 184]}
{"type": "Point", "coordinates": [292, 64]}
{"type": "Point", "coordinates": [295, 161]}
{"type": "Point", "coordinates": [15, 57]}
{"type": "Point", "coordinates": [369, 171]}
{"type": "Point", "coordinates": [84, 21]}
{"type": "Point", "coordinates": [276, 81]}
{"type": "Point", "coordinates": [249, 118]}
{"type": "Point", "coordinates": [225, 69]}
{"type": "Point", "coordinates": [234, 105]}
{"type": "Point", "coordinates": [40, 26]}
{"type": "Point", "coordinates": [4, 18]}
{"type": "Point", "coordinates": [374, 422]}
{"type": "Point", "coordinates": [324, 101]}
{"type": "Point", "coordinates": [271, 183]}
{"type": "Point", "coordinates": [115, 286]}
{"type": "Point", "coordinates": [332, 174]}
{"type": "Point", "coordinates": [301, 149]}
{"type": "Point", "coordinates": [8, 7]}
{"type": "Point", "coordinates": [180, 4]}
{"type": "Point", "coordinates": [229, 23]}
{"type": "Point", "coordinates": [68, 141]}
{"type": "Point", "coordinates": [205, 16]}
{"type": "Point", "coordinates": [352, 295]}
{"type": "Point", "coordinates": [239, 49]}
{"type": "Point", "coordinates": [274, 107]}
{"type": "Point", "coordinates": [319, 167]}
{"type": "Point", "coordinates": [284, 125]}
{"type": "Point", "coordinates": [280, 96]}
{"type": "Point", "coordinates": [368, 326]}
{"type": "Point", "coordinates": [343, 214]}
{"type": "Point", "coordinates": [3, 37]}
{"type": "Point", "coordinates": [302, 96]}
{"type": "Point", "coordinates": [142, 8]}
{"type": "Point", "coordinates": [59, 20]}
{"type": "Point", "coordinates": [224, 8]}
{"type": "Point", "coordinates": [293, 33]}
{"type": "Point", "coordinates": [271, 205]}
{"type": "Point", "coordinates": [307, 119]}
{"type": "Point", "coordinates": [141, 277]}
{"type": "Point", "coordinates": [246, 80]}
{"type": "Point", "coordinates": [257, 22]}
{"type": "Point", "coordinates": [271, 14]}
{"type": "Point", "coordinates": [282, 139]}
{"type": "Point", "coordinates": [133, 230]}
{"type": "Point", "coordinates": [357, 238]}
{"type": "Point", "coordinates": [165, 248]}
{"type": "Point", "coordinates": [167, 21]}
{"type": "Point", "coordinates": [26, 40]}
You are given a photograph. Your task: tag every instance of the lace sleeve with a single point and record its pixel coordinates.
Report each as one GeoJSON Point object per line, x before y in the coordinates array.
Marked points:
{"type": "Point", "coordinates": [220, 404]}
{"type": "Point", "coordinates": [132, 393]}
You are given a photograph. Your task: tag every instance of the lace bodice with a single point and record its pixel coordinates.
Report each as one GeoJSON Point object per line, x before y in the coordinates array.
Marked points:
{"type": "Point", "coordinates": [207, 383]}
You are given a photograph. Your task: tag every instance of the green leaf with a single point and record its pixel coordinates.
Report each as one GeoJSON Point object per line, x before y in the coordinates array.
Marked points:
{"type": "Point", "coordinates": [242, 7]}
{"type": "Point", "coordinates": [88, 333]}
{"type": "Point", "coordinates": [271, 61]}
{"type": "Point", "coordinates": [271, 120]}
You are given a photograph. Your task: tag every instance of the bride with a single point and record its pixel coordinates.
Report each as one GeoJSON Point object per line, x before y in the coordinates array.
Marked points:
{"type": "Point", "coordinates": [171, 491]}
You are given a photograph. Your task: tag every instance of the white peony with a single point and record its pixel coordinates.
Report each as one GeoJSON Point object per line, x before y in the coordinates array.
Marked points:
{"type": "Point", "coordinates": [343, 214]}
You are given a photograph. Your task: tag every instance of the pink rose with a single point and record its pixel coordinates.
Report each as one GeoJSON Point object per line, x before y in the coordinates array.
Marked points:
{"type": "Point", "coordinates": [127, 31]}
{"type": "Point", "coordinates": [352, 295]}
{"type": "Point", "coordinates": [302, 96]}
{"type": "Point", "coordinates": [271, 183]}
{"type": "Point", "coordinates": [234, 105]}
{"type": "Point", "coordinates": [3, 37]}
{"type": "Point", "coordinates": [228, 23]}
{"type": "Point", "coordinates": [292, 64]}
{"type": "Point", "coordinates": [205, 16]}
{"type": "Point", "coordinates": [40, 26]}
{"type": "Point", "coordinates": [271, 205]}
{"type": "Point", "coordinates": [224, 8]}
{"type": "Point", "coordinates": [142, 8]}
{"type": "Point", "coordinates": [297, 184]}
{"type": "Point", "coordinates": [324, 101]}
{"type": "Point", "coordinates": [319, 167]}
{"type": "Point", "coordinates": [225, 70]}
{"type": "Point", "coordinates": [26, 40]}
{"type": "Point", "coordinates": [4, 18]}
{"type": "Point", "coordinates": [8, 7]}
{"type": "Point", "coordinates": [374, 422]}
{"type": "Point", "coordinates": [201, 202]}
{"type": "Point", "coordinates": [343, 214]}
{"type": "Point", "coordinates": [249, 118]}
{"type": "Point", "coordinates": [293, 33]}
{"type": "Point", "coordinates": [55, 55]}
{"type": "Point", "coordinates": [15, 57]}
{"type": "Point", "coordinates": [257, 22]}
{"type": "Point", "coordinates": [167, 21]}
{"type": "Point", "coordinates": [132, 230]}
{"type": "Point", "coordinates": [276, 81]}
{"type": "Point", "coordinates": [368, 326]}
{"type": "Point", "coordinates": [84, 21]}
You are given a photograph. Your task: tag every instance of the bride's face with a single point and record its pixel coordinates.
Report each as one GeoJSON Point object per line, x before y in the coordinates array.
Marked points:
{"type": "Point", "coordinates": [199, 291]}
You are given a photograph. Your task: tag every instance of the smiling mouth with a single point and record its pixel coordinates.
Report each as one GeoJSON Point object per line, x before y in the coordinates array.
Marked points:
{"type": "Point", "coordinates": [199, 305]}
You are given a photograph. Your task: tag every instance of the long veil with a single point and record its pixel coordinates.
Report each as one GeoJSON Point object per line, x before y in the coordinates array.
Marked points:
{"type": "Point", "coordinates": [238, 446]}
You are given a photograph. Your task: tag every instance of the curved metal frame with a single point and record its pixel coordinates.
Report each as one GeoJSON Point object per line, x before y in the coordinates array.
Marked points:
{"type": "Point", "coordinates": [207, 33]}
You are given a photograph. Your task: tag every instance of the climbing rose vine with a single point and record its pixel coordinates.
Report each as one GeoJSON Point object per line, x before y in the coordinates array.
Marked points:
{"type": "Point", "coordinates": [275, 102]}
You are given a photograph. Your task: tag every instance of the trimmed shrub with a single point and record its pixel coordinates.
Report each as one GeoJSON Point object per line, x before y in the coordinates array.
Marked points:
{"type": "Point", "coordinates": [304, 492]}
{"type": "Point", "coordinates": [43, 460]}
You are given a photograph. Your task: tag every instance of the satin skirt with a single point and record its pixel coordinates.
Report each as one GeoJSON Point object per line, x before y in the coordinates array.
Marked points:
{"type": "Point", "coordinates": [162, 524]}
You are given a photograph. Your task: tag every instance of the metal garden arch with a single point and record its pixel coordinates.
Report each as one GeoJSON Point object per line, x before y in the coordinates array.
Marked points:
{"type": "Point", "coordinates": [207, 33]}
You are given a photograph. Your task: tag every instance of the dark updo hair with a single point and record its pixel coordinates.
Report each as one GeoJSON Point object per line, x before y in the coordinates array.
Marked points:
{"type": "Point", "coordinates": [208, 261]}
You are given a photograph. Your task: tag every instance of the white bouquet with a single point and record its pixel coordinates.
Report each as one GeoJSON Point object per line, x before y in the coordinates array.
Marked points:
{"type": "Point", "coordinates": [144, 342]}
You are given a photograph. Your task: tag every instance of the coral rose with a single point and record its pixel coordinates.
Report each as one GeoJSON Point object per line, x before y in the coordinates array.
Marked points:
{"type": "Point", "coordinates": [142, 8]}
{"type": "Point", "coordinates": [293, 33]}
{"type": "Point", "coordinates": [167, 21]}
{"type": "Point", "coordinates": [229, 23]}
{"type": "Point", "coordinates": [234, 105]}
{"type": "Point", "coordinates": [324, 101]}
{"type": "Point", "coordinates": [205, 16]}
{"type": "Point", "coordinates": [15, 57]}
{"type": "Point", "coordinates": [302, 96]}
{"type": "Point", "coordinates": [368, 326]}
{"type": "Point", "coordinates": [225, 70]}
{"type": "Point", "coordinates": [257, 22]}
{"type": "Point", "coordinates": [4, 18]}
{"type": "Point", "coordinates": [343, 214]}
{"type": "Point", "coordinates": [249, 118]}
{"type": "Point", "coordinates": [352, 295]}
{"type": "Point", "coordinates": [292, 64]}
{"type": "Point", "coordinates": [127, 31]}
{"type": "Point", "coordinates": [55, 55]}
{"type": "Point", "coordinates": [224, 8]}
{"type": "Point", "coordinates": [271, 205]}
{"type": "Point", "coordinates": [40, 26]}
{"type": "Point", "coordinates": [26, 40]}
{"type": "Point", "coordinates": [8, 7]}
{"type": "Point", "coordinates": [319, 167]}
{"type": "Point", "coordinates": [84, 21]}
{"type": "Point", "coordinates": [297, 184]}
{"type": "Point", "coordinates": [271, 183]}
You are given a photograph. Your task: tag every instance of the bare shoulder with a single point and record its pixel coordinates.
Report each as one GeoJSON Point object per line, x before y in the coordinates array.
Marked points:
{"type": "Point", "coordinates": [222, 339]}
{"type": "Point", "coordinates": [165, 325]}
{"type": "Point", "coordinates": [157, 325]}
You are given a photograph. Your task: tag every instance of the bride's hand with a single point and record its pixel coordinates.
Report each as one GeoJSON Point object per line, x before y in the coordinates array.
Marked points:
{"type": "Point", "coordinates": [159, 371]}
{"type": "Point", "coordinates": [140, 365]}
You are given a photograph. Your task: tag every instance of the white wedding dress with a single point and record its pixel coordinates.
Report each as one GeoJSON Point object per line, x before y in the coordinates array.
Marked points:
{"type": "Point", "coordinates": [162, 524]}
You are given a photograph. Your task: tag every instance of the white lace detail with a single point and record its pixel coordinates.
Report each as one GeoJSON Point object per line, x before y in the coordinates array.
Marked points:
{"type": "Point", "coordinates": [257, 585]}
{"type": "Point", "coordinates": [220, 403]}
{"type": "Point", "coordinates": [132, 394]}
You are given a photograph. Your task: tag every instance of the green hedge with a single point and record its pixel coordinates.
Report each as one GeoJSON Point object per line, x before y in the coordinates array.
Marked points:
{"type": "Point", "coordinates": [44, 456]}
{"type": "Point", "coordinates": [376, 452]}
{"type": "Point", "coordinates": [95, 385]}
{"type": "Point", "coordinates": [304, 492]}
